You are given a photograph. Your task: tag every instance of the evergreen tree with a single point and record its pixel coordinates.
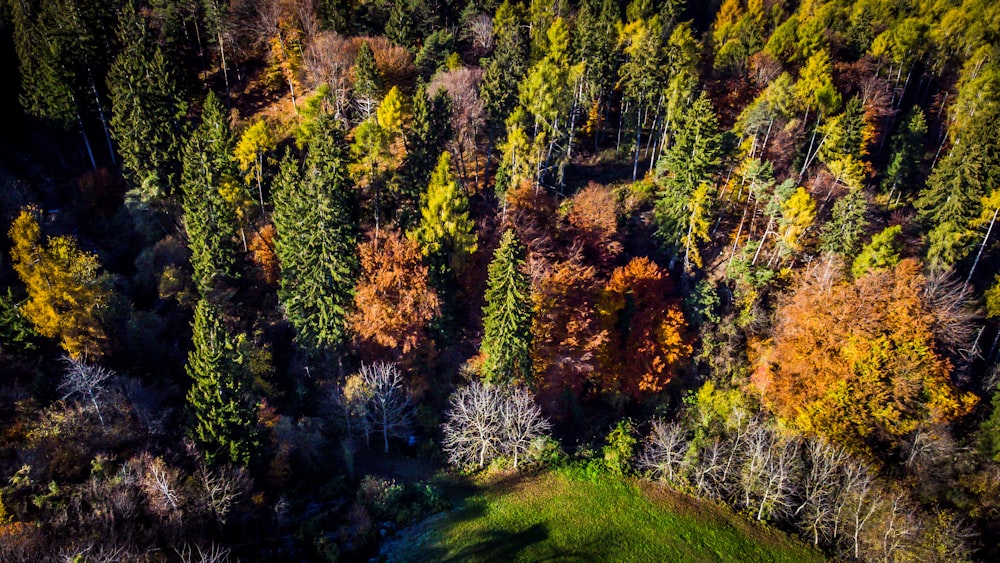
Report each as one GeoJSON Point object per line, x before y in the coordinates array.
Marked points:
{"type": "Point", "coordinates": [146, 108]}
{"type": "Point", "coordinates": [367, 81]}
{"type": "Point", "coordinates": [210, 220]}
{"type": "Point", "coordinates": [907, 149]}
{"type": "Point", "coordinates": [842, 234]}
{"type": "Point", "coordinates": [429, 133]}
{"type": "Point", "coordinates": [879, 254]}
{"type": "Point", "coordinates": [508, 63]}
{"type": "Point", "coordinates": [315, 216]}
{"type": "Point", "coordinates": [446, 233]}
{"type": "Point", "coordinates": [223, 417]}
{"type": "Point", "coordinates": [687, 164]}
{"type": "Point", "coordinates": [506, 343]}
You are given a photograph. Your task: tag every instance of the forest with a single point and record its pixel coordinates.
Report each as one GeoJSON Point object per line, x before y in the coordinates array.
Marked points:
{"type": "Point", "coordinates": [274, 272]}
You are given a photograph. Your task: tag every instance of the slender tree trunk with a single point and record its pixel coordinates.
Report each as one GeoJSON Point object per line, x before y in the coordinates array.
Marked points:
{"type": "Point", "coordinates": [86, 140]}
{"type": "Point", "coordinates": [982, 246]}
{"type": "Point", "coordinates": [104, 121]}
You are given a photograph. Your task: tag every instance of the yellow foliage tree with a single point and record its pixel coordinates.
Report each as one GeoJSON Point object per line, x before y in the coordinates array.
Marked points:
{"type": "Point", "coordinates": [65, 295]}
{"type": "Point", "coordinates": [858, 363]}
{"type": "Point", "coordinates": [255, 142]}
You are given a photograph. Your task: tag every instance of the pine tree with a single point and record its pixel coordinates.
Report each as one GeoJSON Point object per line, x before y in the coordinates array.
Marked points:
{"type": "Point", "coordinates": [907, 149]}
{"type": "Point", "coordinates": [506, 341]}
{"type": "Point", "coordinates": [210, 220]}
{"type": "Point", "coordinates": [367, 81]}
{"type": "Point", "coordinates": [842, 234]}
{"type": "Point", "coordinates": [146, 109]}
{"type": "Point", "coordinates": [223, 417]}
{"type": "Point", "coordinates": [686, 165]}
{"type": "Point", "coordinates": [314, 213]}
{"type": "Point", "coordinates": [508, 63]}
{"type": "Point", "coordinates": [446, 233]}
{"type": "Point", "coordinates": [429, 133]}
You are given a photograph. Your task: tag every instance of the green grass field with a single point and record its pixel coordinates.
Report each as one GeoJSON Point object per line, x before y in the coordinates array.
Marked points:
{"type": "Point", "coordinates": [551, 517]}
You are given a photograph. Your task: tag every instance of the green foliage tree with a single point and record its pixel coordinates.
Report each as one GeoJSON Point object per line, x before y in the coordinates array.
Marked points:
{"type": "Point", "coordinates": [506, 344]}
{"type": "Point", "coordinates": [508, 63]}
{"type": "Point", "coordinates": [147, 107]}
{"type": "Point", "coordinates": [687, 164]}
{"type": "Point", "coordinates": [367, 81]}
{"type": "Point", "coordinates": [210, 220]}
{"type": "Point", "coordinates": [907, 149]}
{"type": "Point", "coordinates": [446, 233]}
{"type": "Point", "coordinates": [314, 214]}
{"type": "Point", "coordinates": [223, 416]}
{"type": "Point", "coordinates": [430, 131]}
{"type": "Point", "coordinates": [881, 253]}
{"type": "Point", "coordinates": [842, 233]}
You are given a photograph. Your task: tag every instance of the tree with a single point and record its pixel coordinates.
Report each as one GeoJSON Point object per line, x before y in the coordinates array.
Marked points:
{"type": "Point", "coordinates": [87, 380]}
{"type": "Point", "coordinates": [254, 144]}
{"type": "Point", "coordinates": [484, 422]}
{"type": "Point", "coordinates": [385, 402]}
{"type": "Point", "coordinates": [506, 344]}
{"type": "Point", "coordinates": [430, 131]}
{"type": "Point", "coordinates": [508, 63]}
{"type": "Point", "coordinates": [881, 253]}
{"type": "Point", "coordinates": [314, 214]}
{"type": "Point", "coordinates": [223, 417]}
{"type": "Point", "coordinates": [907, 150]}
{"type": "Point", "coordinates": [147, 107]}
{"type": "Point", "coordinates": [445, 232]}
{"type": "Point", "coordinates": [646, 344]}
{"type": "Point", "coordinates": [393, 302]}
{"type": "Point", "coordinates": [842, 234]}
{"type": "Point", "coordinates": [685, 166]}
{"type": "Point", "coordinates": [859, 362]}
{"type": "Point", "coordinates": [367, 81]}
{"type": "Point", "coordinates": [66, 296]}
{"type": "Point", "coordinates": [210, 220]}
{"type": "Point", "coordinates": [797, 214]}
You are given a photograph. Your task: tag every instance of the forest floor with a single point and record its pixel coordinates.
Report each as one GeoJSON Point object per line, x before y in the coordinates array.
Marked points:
{"type": "Point", "coordinates": [551, 516]}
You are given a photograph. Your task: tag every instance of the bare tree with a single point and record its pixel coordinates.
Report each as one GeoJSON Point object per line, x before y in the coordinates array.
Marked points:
{"type": "Point", "coordinates": [85, 380]}
{"type": "Point", "coordinates": [472, 430]}
{"type": "Point", "coordinates": [480, 31]}
{"type": "Point", "coordinates": [161, 485]}
{"type": "Point", "coordinates": [389, 407]}
{"type": "Point", "coordinates": [223, 486]}
{"type": "Point", "coordinates": [468, 115]}
{"type": "Point", "coordinates": [197, 554]}
{"type": "Point", "coordinates": [666, 452]}
{"type": "Point", "coordinates": [521, 423]}
{"type": "Point", "coordinates": [952, 304]}
{"type": "Point", "coordinates": [819, 487]}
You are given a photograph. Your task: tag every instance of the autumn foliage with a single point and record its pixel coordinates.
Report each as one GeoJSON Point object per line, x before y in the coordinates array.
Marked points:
{"type": "Point", "coordinates": [393, 303]}
{"type": "Point", "coordinates": [65, 296]}
{"type": "Point", "coordinates": [857, 362]}
{"type": "Point", "coordinates": [646, 342]}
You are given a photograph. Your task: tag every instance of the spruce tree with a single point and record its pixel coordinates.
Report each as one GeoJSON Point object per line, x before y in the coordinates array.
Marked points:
{"type": "Point", "coordinates": [506, 341]}
{"type": "Point", "coordinates": [146, 108]}
{"type": "Point", "coordinates": [684, 166]}
{"type": "Point", "coordinates": [223, 417]}
{"type": "Point", "coordinates": [508, 63]}
{"type": "Point", "coordinates": [907, 149]}
{"type": "Point", "coordinates": [209, 219]}
{"type": "Point", "coordinates": [429, 133]}
{"type": "Point", "coordinates": [445, 233]}
{"type": "Point", "coordinates": [367, 81]}
{"type": "Point", "coordinates": [315, 216]}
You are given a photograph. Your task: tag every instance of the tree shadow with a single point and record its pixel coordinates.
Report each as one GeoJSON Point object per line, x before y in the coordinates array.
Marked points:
{"type": "Point", "coordinates": [498, 545]}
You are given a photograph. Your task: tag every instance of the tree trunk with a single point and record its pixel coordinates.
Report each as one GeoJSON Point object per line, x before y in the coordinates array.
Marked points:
{"type": "Point", "coordinates": [982, 246]}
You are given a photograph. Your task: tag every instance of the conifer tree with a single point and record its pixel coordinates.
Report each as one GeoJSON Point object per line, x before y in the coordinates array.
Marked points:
{"type": "Point", "coordinates": [907, 148]}
{"type": "Point", "coordinates": [223, 417]}
{"type": "Point", "coordinates": [445, 233]}
{"type": "Point", "coordinates": [879, 254]}
{"type": "Point", "coordinates": [506, 343]}
{"type": "Point", "coordinates": [429, 133]}
{"type": "Point", "coordinates": [508, 63]}
{"type": "Point", "coordinates": [367, 81]}
{"type": "Point", "coordinates": [146, 108]}
{"type": "Point", "coordinates": [210, 220]}
{"type": "Point", "coordinates": [684, 166]}
{"type": "Point", "coordinates": [314, 213]}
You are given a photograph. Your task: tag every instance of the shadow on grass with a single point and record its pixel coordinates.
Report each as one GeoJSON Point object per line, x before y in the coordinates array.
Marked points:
{"type": "Point", "coordinates": [495, 545]}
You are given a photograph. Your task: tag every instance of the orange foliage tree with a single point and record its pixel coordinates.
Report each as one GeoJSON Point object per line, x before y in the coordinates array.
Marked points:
{"type": "Point", "coordinates": [262, 254]}
{"type": "Point", "coordinates": [646, 344]}
{"type": "Point", "coordinates": [393, 302]}
{"type": "Point", "coordinates": [566, 333]}
{"type": "Point", "coordinates": [857, 362]}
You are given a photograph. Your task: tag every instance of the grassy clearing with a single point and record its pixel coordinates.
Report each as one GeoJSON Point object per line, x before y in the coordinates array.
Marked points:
{"type": "Point", "coordinates": [551, 517]}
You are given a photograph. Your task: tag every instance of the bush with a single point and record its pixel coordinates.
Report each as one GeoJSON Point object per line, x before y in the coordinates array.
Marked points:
{"type": "Point", "coordinates": [619, 447]}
